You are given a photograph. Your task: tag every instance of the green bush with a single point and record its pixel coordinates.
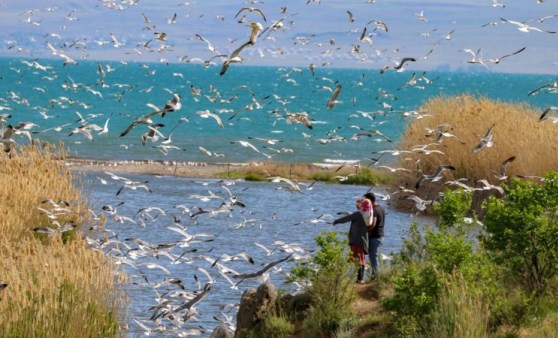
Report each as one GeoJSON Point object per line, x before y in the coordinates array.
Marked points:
{"type": "Point", "coordinates": [254, 177]}
{"type": "Point", "coordinates": [425, 266]}
{"type": "Point", "coordinates": [454, 208]}
{"type": "Point", "coordinates": [363, 177]}
{"type": "Point", "coordinates": [416, 294]}
{"type": "Point", "coordinates": [330, 275]}
{"type": "Point", "coordinates": [273, 326]}
{"type": "Point", "coordinates": [449, 283]}
{"type": "Point", "coordinates": [323, 176]}
{"type": "Point", "coordinates": [522, 231]}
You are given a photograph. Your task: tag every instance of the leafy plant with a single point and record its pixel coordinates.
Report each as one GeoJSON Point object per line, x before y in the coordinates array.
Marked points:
{"type": "Point", "coordinates": [522, 230]}
{"type": "Point", "coordinates": [330, 275]}
{"type": "Point", "coordinates": [455, 206]}
{"type": "Point", "coordinates": [254, 177]}
{"type": "Point", "coordinates": [364, 177]}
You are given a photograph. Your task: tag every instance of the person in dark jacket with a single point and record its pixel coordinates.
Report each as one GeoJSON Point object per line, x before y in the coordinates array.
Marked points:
{"type": "Point", "coordinates": [376, 232]}
{"type": "Point", "coordinates": [358, 233]}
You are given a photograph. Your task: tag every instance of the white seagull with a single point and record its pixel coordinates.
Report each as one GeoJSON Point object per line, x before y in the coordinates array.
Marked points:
{"type": "Point", "coordinates": [486, 140]}
{"type": "Point", "coordinates": [436, 176]}
{"type": "Point", "coordinates": [523, 27]}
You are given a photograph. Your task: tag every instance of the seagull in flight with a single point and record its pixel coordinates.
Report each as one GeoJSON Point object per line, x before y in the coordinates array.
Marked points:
{"type": "Point", "coordinates": [488, 186]}
{"type": "Point", "coordinates": [420, 204]}
{"type": "Point", "coordinates": [497, 60]}
{"type": "Point", "coordinates": [551, 87]}
{"type": "Point", "coordinates": [501, 175]}
{"type": "Point", "coordinates": [170, 106]}
{"type": "Point", "coordinates": [399, 66]}
{"type": "Point", "coordinates": [379, 24]}
{"type": "Point", "coordinates": [333, 100]}
{"type": "Point", "coordinates": [486, 140]}
{"type": "Point", "coordinates": [436, 176]}
{"type": "Point", "coordinates": [523, 27]}
{"type": "Point", "coordinates": [251, 9]}
{"type": "Point", "coordinates": [234, 58]}
{"type": "Point", "coordinates": [545, 115]}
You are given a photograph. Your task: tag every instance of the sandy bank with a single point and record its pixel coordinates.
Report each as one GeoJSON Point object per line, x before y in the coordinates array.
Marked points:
{"type": "Point", "coordinates": [181, 169]}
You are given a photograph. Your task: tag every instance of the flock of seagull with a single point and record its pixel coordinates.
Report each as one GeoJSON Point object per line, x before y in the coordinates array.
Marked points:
{"type": "Point", "coordinates": [174, 304]}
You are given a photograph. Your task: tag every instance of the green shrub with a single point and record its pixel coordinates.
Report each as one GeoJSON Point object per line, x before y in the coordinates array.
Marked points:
{"type": "Point", "coordinates": [423, 269]}
{"type": "Point", "coordinates": [363, 177]}
{"type": "Point", "coordinates": [330, 275]}
{"type": "Point", "coordinates": [273, 326]}
{"type": "Point", "coordinates": [522, 230]}
{"type": "Point", "coordinates": [416, 294]}
{"type": "Point", "coordinates": [323, 176]}
{"type": "Point", "coordinates": [455, 206]}
{"type": "Point", "coordinates": [254, 177]}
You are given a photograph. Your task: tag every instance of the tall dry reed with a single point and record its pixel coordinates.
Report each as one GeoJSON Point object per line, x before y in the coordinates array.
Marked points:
{"type": "Point", "coordinates": [55, 288]}
{"type": "Point", "coordinates": [517, 132]}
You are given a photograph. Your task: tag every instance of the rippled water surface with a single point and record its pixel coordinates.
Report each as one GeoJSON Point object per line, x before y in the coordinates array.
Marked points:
{"type": "Point", "coordinates": [273, 217]}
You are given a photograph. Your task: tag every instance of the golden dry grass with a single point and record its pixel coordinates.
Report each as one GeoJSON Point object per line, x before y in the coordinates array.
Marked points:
{"type": "Point", "coordinates": [517, 132]}
{"type": "Point", "coordinates": [54, 289]}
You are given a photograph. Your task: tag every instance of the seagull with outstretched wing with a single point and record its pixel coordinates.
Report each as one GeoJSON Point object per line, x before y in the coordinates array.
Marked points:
{"type": "Point", "coordinates": [486, 140]}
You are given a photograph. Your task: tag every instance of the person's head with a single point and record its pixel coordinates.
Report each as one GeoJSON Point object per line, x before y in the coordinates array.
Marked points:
{"type": "Point", "coordinates": [370, 195]}
{"type": "Point", "coordinates": [359, 204]}
{"type": "Point", "coordinates": [365, 205]}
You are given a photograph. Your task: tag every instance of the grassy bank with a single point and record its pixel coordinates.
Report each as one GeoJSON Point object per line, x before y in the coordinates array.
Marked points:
{"type": "Point", "coordinates": [347, 174]}
{"type": "Point", "coordinates": [55, 286]}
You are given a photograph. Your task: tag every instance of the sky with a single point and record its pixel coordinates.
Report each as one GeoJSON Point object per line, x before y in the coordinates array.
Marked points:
{"type": "Point", "coordinates": [298, 33]}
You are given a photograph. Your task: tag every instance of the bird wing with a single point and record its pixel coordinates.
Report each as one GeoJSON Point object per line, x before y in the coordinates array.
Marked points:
{"type": "Point", "coordinates": [488, 134]}
{"type": "Point", "coordinates": [547, 110]}
{"type": "Point", "coordinates": [334, 96]}
{"type": "Point", "coordinates": [403, 61]}
{"type": "Point", "coordinates": [363, 34]}
{"type": "Point", "coordinates": [516, 52]}
{"type": "Point", "coordinates": [234, 54]}
{"type": "Point", "coordinates": [505, 164]}
{"type": "Point", "coordinates": [420, 181]}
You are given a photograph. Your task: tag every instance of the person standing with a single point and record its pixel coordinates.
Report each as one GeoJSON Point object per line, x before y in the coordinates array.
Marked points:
{"type": "Point", "coordinates": [358, 233]}
{"type": "Point", "coordinates": [375, 232]}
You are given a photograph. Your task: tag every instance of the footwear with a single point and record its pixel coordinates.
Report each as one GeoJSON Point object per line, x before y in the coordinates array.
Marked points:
{"type": "Point", "coordinates": [360, 282]}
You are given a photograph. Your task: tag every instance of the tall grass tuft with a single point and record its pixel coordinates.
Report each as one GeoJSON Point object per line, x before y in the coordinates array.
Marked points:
{"type": "Point", "coordinates": [55, 287]}
{"type": "Point", "coordinates": [517, 132]}
{"type": "Point", "coordinates": [461, 311]}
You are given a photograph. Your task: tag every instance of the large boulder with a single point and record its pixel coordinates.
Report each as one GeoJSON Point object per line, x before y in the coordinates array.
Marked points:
{"type": "Point", "coordinates": [255, 304]}
{"type": "Point", "coordinates": [221, 332]}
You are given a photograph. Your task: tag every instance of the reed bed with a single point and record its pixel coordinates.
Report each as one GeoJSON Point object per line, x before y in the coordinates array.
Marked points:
{"type": "Point", "coordinates": [56, 287]}
{"type": "Point", "coordinates": [517, 132]}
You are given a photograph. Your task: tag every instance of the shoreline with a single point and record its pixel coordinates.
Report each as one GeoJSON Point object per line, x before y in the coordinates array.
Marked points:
{"type": "Point", "coordinates": [177, 168]}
